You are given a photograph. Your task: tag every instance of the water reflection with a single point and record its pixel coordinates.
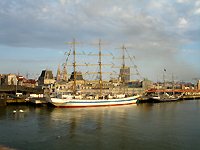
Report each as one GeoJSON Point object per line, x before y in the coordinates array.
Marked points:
{"type": "Point", "coordinates": [2, 113]}
{"type": "Point", "coordinates": [88, 120]}
{"type": "Point", "coordinates": [18, 115]}
{"type": "Point", "coordinates": [146, 126]}
{"type": "Point", "coordinates": [72, 127]}
{"type": "Point", "coordinates": [13, 112]}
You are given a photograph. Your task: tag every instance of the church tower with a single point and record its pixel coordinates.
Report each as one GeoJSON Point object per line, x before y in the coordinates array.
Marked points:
{"type": "Point", "coordinates": [64, 73]}
{"type": "Point", "coordinates": [58, 75]}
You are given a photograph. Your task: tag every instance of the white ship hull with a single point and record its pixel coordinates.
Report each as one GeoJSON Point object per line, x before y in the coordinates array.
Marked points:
{"type": "Point", "coordinates": [92, 103]}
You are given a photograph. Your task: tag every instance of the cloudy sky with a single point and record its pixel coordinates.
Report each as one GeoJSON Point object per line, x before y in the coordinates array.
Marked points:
{"type": "Point", "coordinates": [159, 33]}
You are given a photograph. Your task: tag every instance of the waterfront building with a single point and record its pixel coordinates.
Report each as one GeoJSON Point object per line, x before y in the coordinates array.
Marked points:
{"type": "Point", "coordinates": [22, 81]}
{"type": "Point", "coordinates": [1, 77]}
{"type": "Point", "coordinates": [46, 81]}
{"type": "Point", "coordinates": [115, 82]}
{"type": "Point", "coordinates": [125, 74]}
{"type": "Point", "coordinates": [79, 80]}
{"type": "Point", "coordinates": [30, 83]}
{"type": "Point", "coordinates": [147, 84]}
{"type": "Point", "coordinates": [79, 76]}
{"type": "Point", "coordinates": [64, 73]}
{"type": "Point", "coordinates": [198, 85]}
{"type": "Point", "coordinates": [9, 79]}
{"type": "Point", "coordinates": [58, 75]}
{"type": "Point", "coordinates": [61, 86]}
{"type": "Point", "coordinates": [187, 85]}
{"type": "Point", "coordinates": [13, 79]}
{"type": "Point", "coordinates": [61, 75]}
{"type": "Point", "coordinates": [46, 78]}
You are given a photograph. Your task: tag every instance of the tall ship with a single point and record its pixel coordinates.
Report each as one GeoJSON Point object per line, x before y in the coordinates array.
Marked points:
{"type": "Point", "coordinates": [77, 99]}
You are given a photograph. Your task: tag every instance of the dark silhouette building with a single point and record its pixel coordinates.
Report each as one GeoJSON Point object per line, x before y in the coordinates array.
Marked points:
{"type": "Point", "coordinates": [46, 77]}
{"type": "Point", "coordinates": [124, 74]}
{"type": "Point", "coordinates": [79, 76]}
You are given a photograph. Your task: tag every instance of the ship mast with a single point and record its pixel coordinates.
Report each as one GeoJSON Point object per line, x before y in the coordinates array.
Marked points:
{"type": "Point", "coordinates": [74, 64]}
{"type": "Point", "coordinates": [173, 84]}
{"type": "Point", "coordinates": [164, 82]}
{"type": "Point", "coordinates": [100, 69]}
{"type": "Point", "coordinates": [123, 68]}
{"type": "Point", "coordinates": [123, 63]}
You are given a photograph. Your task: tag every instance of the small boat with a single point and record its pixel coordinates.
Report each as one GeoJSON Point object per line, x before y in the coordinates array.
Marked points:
{"type": "Point", "coordinates": [166, 98]}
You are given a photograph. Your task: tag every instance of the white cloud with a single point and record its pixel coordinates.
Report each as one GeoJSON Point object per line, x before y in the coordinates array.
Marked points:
{"type": "Point", "coordinates": [44, 9]}
{"type": "Point", "coordinates": [62, 2]}
{"type": "Point", "coordinates": [182, 23]}
{"type": "Point", "coordinates": [182, 1]}
{"type": "Point", "coordinates": [197, 3]}
{"type": "Point", "coordinates": [156, 4]}
{"type": "Point", "coordinates": [197, 11]}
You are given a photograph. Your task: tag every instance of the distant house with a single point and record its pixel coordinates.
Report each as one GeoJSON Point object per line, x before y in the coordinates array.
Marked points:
{"type": "Point", "coordinates": [26, 82]}
{"type": "Point", "coordinates": [20, 80]}
{"type": "Point", "coordinates": [13, 79]}
{"type": "Point", "coordinates": [8, 79]}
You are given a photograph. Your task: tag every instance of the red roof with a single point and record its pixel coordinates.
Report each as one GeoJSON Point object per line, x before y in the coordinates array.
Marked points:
{"type": "Point", "coordinates": [31, 81]}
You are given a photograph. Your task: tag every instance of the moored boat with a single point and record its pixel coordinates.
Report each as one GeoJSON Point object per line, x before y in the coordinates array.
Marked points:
{"type": "Point", "coordinates": [79, 99]}
{"type": "Point", "coordinates": [165, 98]}
{"type": "Point", "coordinates": [69, 102]}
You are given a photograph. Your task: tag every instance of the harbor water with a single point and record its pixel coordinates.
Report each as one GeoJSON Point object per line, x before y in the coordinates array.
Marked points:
{"type": "Point", "coordinates": [160, 126]}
